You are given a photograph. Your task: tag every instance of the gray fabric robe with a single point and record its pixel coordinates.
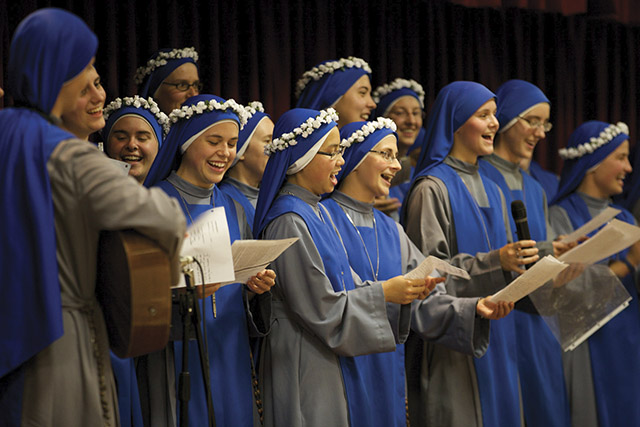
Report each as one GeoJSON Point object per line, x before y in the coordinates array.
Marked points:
{"type": "Point", "coordinates": [312, 325]}
{"type": "Point", "coordinates": [70, 383]}
{"type": "Point", "coordinates": [250, 192]}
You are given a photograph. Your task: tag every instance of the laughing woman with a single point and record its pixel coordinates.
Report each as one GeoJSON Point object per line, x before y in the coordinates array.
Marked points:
{"type": "Point", "coordinates": [193, 160]}
{"type": "Point", "coordinates": [453, 210]}
{"type": "Point", "coordinates": [379, 249]}
{"type": "Point", "coordinates": [324, 314]}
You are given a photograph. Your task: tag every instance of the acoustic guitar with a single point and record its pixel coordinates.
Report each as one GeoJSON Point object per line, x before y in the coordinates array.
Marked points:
{"type": "Point", "coordinates": [134, 290]}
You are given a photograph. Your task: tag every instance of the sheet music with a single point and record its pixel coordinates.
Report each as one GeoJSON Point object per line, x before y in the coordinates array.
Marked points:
{"type": "Point", "coordinates": [252, 256]}
{"type": "Point", "coordinates": [539, 274]}
{"type": "Point", "coordinates": [431, 263]}
{"type": "Point", "coordinates": [595, 222]}
{"type": "Point", "coordinates": [208, 241]}
{"type": "Point", "coordinates": [611, 239]}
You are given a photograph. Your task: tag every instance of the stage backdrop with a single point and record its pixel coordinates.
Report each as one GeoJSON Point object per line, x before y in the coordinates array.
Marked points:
{"type": "Point", "coordinates": [583, 54]}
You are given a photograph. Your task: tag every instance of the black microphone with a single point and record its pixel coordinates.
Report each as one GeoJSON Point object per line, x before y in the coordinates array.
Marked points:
{"type": "Point", "coordinates": [519, 214]}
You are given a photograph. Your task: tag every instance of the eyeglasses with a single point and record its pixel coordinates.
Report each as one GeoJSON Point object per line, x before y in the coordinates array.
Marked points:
{"type": "Point", "coordinates": [535, 123]}
{"type": "Point", "coordinates": [184, 86]}
{"type": "Point", "coordinates": [387, 156]}
{"type": "Point", "coordinates": [333, 155]}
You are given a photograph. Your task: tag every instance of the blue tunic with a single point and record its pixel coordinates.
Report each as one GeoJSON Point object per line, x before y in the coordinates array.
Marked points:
{"type": "Point", "coordinates": [232, 188]}
{"type": "Point", "coordinates": [614, 348]}
{"type": "Point", "coordinates": [540, 368]}
{"type": "Point", "coordinates": [548, 180]}
{"type": "Point", "coordinates": [227, 334]}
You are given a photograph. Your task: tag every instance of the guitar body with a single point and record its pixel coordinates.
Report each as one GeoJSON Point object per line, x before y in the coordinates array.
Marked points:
{"type": "Point", "coordinates": [134, 290]}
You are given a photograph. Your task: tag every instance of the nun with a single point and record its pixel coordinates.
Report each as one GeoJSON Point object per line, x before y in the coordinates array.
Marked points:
{"type": "Point", "coordinates": [170, 77]}
{"type": "Point", "coordinates": [196, 154]}
{"type": "Point", "coordinates": [62, 191]}
{"type": "Point", "coordinates": [379, 249]}
{"type": "Point", "coordinates": [323, 313]}
{"type": "Point", "coordinates": [602, 374]}
{"type": "Point", "coordinates": [242, 181]}
{"type": "Point", "coordinates": [455, 213]}
{"type": "Point", "coordinates": [343, 84]}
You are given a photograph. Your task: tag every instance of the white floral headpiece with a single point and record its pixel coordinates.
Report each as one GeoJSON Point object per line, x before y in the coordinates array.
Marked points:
{"type": "Point", "coordinates": [367, 129]}
{"type": "Point", "coordinates": [398, 84]}
{"type": "Point", "coordinates": [254, 107]}
{"type": "Point", "coordinates": [606, 136]}
{"type": "Point", "coordinates": [330, 67]}
{"type": "Point", "coordinates": [304, 130]}
{"type": "Point", "coordinates": [161, 60]}
{"type": "Point", "coordinates": [138, 102]}
{"type": "Point", "coordinates": [206, 106]}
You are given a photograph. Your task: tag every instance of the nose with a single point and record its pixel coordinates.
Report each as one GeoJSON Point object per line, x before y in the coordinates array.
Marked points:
{"type": "Point", "coordinates": [395, 164]}
{"type": "Point", "coordinates": [494, 123]}
{"type": "Point", "coordinates": [370, 102]}
{"type": "Point", "coordinates": [192, 91]}
{"type": "Point", "coordinates": [628, 169]}
{"type": "Point", "coordinates": [539, 132]}
{"type": "Point", "coordinates": [132, 143]}
{"type": "Point", "coordinates": [412, 119]}
{"type": "Point", "coordinates": [98, 95]}
{"type": "Point", "coordinates": [340, 160]}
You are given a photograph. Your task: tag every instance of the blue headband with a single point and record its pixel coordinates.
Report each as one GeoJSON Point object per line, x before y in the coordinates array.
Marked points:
{"type": "Point", "coordinates": [152, 81]}
{"type": "Point", "coordinates": [247, 132]}
{"type": "Point", "coordinates": [516, 96]}
{"type": "Point", "coordinates": [358, 150]}
{"type": "Point", "coordinates": [49, 47]}
{"type": "Point", "coordinates": [575, 169]}
{"type": "Point", "coordinates": [455, 103]}
{"type": "Point", "coordinates": [326, 91]}
{"type": "Point", "coordinates": [279, 162]}
{"type": "Point", "coordinates": [142, 112]}
{"type": "Point", "coordinates": [169, 155]}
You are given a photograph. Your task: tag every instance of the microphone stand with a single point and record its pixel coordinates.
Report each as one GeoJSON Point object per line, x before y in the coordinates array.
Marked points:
{"type": "Point", "coordinates": [192, 327]}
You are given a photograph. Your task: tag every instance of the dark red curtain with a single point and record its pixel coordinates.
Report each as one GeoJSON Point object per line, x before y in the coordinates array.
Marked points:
{"type": "Point", "coordinates": [250, 49]}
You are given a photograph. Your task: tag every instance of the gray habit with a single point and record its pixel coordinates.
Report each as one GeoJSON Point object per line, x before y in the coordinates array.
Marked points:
{"type": "Point", "coordinates": [70, 383]}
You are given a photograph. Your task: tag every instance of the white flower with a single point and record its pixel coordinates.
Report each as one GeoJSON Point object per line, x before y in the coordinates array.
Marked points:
{"type": "Point", "coordinates": [161, 60]}
{"type": "Point", "coordinates": [188, 111]}
{"type": "Point", "coordinates": [367, 129]}
{"type": "Point", "coordinates": [304, 131]}
{"type": "Point", "coordinates": [608, 134]}
{"type": "Point", "coordinates": [316, 73]}
{"type": "Point", "coordinates": [398, 84]}
{"type": "Point", "coordinates": [138, 102]}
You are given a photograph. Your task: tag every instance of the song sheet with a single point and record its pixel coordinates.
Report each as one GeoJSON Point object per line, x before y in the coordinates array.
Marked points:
{"type": "Point", "coordinates": [611, 239]}
{"type": "Point", "coordinates": [595, 222]}
{"type": "Point", "coordinates": [541, 272]}
{"type": "Point", "coordinates": [431, 263]}
{"type": "Point", "coordinates": [252, 256]}
{"type": "Point", "coordinates": [208, 241]}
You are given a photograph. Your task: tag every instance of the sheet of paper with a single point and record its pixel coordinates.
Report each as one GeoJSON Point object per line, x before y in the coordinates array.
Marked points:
{"type": "Point", "coordinates": [208, 241]}
{"type": "Point", "coordinates": [611, 239]}
{"type": "Point", "coordinates": [542, 271]}
{"type": "Point", "coordinates": [431, 263]}
{"type": "Point", "coordinates": [252, 256]}
{"type": "Point", "coordinates": [602, 218]}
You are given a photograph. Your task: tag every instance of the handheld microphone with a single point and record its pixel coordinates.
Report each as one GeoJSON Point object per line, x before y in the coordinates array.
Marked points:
{"type": "Point", "coordinates": [519, 214]}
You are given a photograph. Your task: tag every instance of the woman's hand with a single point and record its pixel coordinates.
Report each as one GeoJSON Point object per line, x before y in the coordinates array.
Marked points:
{"type": "Point", "coordinates": [487, 309]}
{"type": "Point", "coordinates": [262, 282]}
{"type": "Point", "coordinates": [430, 285]}
{"type": "Point", "coordinates": [515, 254]}
{"type": "Point", "coordinates": [399, 290]}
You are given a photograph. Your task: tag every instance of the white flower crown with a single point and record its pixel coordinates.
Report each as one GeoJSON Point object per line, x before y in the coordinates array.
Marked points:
{"type": "Point", "coordinates": [254, 107]}
{"type": "Point", "coordinates": [187, 111]}
{"type": "Point", "coordinates": [331, 67]}
{"type": "Point", "coordinates": [161, 60]}
{"type": "Point", "coordinates": [138, 102]}
{"type": "Point", "coordinates": [398, 84]}
{"type": "Point", "coordinates": [304, 130]}
{"type": "Point", "coordinates": [367, 129]}
{"type": "Point", "coordinates": [606, 136]}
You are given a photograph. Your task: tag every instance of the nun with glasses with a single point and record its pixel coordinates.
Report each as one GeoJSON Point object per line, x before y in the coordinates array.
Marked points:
{"type": "Point", "coordinates": [323, 313]}
{"type": "Point", "coordinates": [602, 374]}
{"type": "Point", "coordinates": [456, 213]}
{"type": "Point", "coordinates": [62, 191]}
{"type": "Point", "coordinates": [196, 154]}
{"type": "Point", "coordinates": [343, 84]}
{"type": "Point", "coordinates": [170, 77]}
{"type": "Point", "coordinates": [242, 181]}
{"type": "Point", "coordinates": [379, 249]}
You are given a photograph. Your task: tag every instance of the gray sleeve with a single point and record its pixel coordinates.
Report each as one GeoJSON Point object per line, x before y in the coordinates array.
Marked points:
{"type": "Point", "coordinates": [559, 220]}
{"type": "Point", "coordinates": [349, 323]}
{"type": "Point", "coordinates": [430, 227]}
{"type": "Point", "coordinates": [115, 201]}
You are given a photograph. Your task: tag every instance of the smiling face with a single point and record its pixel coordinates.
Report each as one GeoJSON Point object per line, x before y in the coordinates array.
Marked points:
{"type": "Point", "coordinates": [407, 115]}
{"type": "Point", "coordinates": [372, 178]}
{"type": "Point", "coordinates": [608, 177]}
{"type": "Point", "coordinates": [356, 104]}
{"type": "Point", "coordinates": [132, 140]}
{"type": "Point", "coordinates": [210, 155]}
{"type": "Point", "coordinates": [79, 104]}
{"type": "Point", "coordinates": [475, 137]}
{"type": "Point", "coordinates": [251, 164]}
{"type": "Point", "coordinates": [518, 142]}
{"type": "Point", "coordinates": [169, 97]}
{"type": "Point", "coordinates": [319, 176]}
